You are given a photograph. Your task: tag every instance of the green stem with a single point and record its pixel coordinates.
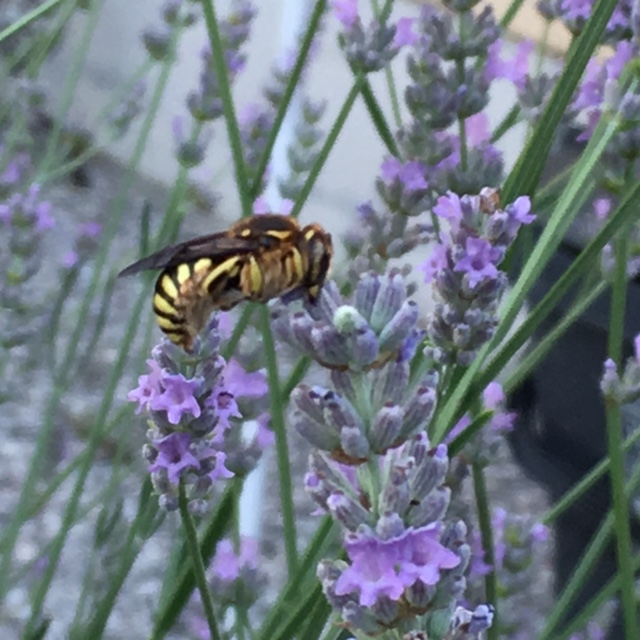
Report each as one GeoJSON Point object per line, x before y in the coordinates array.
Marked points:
{"type": "Point", "coordinates": [486, 532]}
{"type": "Point", "coordinates": [191, 536]}
{"type": "Point", "coordinates": [282, 448]}
{"type": "Point", "coordinates": [28, 18]}
{"type": "Point", "coordinates": [290, 594]}
{"type": "Point", "coordinates": [62, 375]}
{"type": "Point", "coordinates": [292, 83]}
{"type": "Point", "coordinates": [586, 483]}
{"type": "Point", "coordinates": [228, 108]}
{"type": "Point", "coordinates": [583, 570]}
{"type": "Point", "coordinates": [393, 92]}
{"type": "Point", "coordinates": [238, 331]}
{"type": "Point", "coordinates": [328, 145]}
{"type": "Point", "coordinates": [614, 446]}
{"type": "Point", "coordinates": [71, 81]}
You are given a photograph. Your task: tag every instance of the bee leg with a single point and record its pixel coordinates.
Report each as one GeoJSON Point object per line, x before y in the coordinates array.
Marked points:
{"type": "Point", "coordinates": [295, 294]}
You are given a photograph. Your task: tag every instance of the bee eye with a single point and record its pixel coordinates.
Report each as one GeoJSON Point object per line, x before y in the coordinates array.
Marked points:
{"type": "Point", "coordinates": [266, 241]}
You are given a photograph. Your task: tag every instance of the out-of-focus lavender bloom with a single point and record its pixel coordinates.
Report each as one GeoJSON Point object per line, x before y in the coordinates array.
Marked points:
{"type": "Point", "coordinates": [190, 413]}
{"type": "Point", "coordinates": [261, 206]}
{"type": "Point", "coordinates": [403, 187]}
{"type": "Point", "coordinates": [205, 103]}
{"type": "Point", "coordinates": [451, 67]}
{"type": "Point", "coordinates": [519, 545]}
{"type": "Point", "coordinates": [304, 149]}
{"type": "Point", "coordinates": [599, 90]}
{"type": "Point", "coordinates": [25, 217]}
{"type": "Point", "coordinates": [515, 69]}
{"type": "Point", "coordinates": [234, 576]}
{"type": "Point", "coordinates": [593, 631]}
{"type": "Point", "coordinates": [255, 122]}
{"type": "Point", "coordinates": [439, 95]}
{"type": "Point", "coordinates": [235, 580]}
{"type": "Point", "coordinates": [575, 13]}
{"type": "Point", "coordinates": [484, 446]}
{"type": "Point", "coordinates": [13, 172]}
{"type": "Point", "coordinates": [86, 242]}
{"type": "Point", "coordinates": [126, 112]}
{"type": "Point", "coordinates": [190, 151]}
{"type": "Point", "coordinates": [463, 268]}
{"type": "Point", "coordinates": [368, 49]}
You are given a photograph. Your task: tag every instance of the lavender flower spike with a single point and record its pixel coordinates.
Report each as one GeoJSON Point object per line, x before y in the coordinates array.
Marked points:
{"type": "Point", "coordinates": [405, 565]}
{"type": "Point", "coordinates": [463, 268]}
{"type": "Point", "coordinates": [189, 417]}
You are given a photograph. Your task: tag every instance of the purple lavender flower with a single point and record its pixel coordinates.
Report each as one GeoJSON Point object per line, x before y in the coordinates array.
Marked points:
{"type": "Point", "coordinates": [205, 103]}
{"type": "Point", "coordinates": [403, 559]}
{"type": "Point", "coordinates": [25, 218]}
{"type": "Point", "coordinates": [358, 336]}
{"type": "Point", "coordinates": [403, 187]}
{"type": "Point", "coordinates": [235, 577]}
{"type": "Point", "coordinates": [369, 49]}
{"type": "Point", "coordinates": [464, 270]}
{"type": "Point", "coordinates": [126, 112]}
{"type": "Point", "coordinates": [386, 567]}
{"type": "Point", "coordinates": [575, 13]}
{"type": "Point", "coordinates": [519, 545]}
{"type": "Point", "coordinates": [191, 439]}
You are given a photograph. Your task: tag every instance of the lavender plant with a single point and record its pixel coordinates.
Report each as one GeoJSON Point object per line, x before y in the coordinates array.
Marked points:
{"type": "Point", "coordinates": [396, 380]}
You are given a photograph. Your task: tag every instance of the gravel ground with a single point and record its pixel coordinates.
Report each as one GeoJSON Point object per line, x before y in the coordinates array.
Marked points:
{"type": "Point", "coordinates": [22, 420]}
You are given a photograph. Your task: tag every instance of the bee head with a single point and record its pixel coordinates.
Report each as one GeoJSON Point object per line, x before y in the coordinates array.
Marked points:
{"type": "Point", "coordinates": [318, 249]}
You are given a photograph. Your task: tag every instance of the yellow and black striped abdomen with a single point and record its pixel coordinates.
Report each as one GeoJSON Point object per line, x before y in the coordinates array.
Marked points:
{"type": "Point", "coordinates": [186, 295]}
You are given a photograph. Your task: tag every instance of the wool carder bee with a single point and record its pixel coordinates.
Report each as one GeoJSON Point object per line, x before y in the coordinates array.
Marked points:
{"type": "Point", "coordinates": [257, 259]}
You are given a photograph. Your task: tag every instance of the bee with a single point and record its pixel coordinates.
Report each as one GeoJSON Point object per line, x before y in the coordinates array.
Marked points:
{"type": "Point", "coordinates": [257, 259]}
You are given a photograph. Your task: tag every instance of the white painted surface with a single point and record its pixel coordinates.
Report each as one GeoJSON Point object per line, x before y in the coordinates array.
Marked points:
{"type": "Point", "coordinates": [117, 50]}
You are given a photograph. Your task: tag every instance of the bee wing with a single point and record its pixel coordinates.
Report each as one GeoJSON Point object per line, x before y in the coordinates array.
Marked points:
{"type": "Point", "coordinates": [217, 245]}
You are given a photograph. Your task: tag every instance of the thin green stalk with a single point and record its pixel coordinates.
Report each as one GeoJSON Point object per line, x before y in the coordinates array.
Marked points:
{"type": "Point", "coordinates": [511, 13]}
{"type": "Point", "coordinates": [291, 592]}
{"type": "Point", "coordinates": [197, 563]}
{"type": "Point", "coordinates": [486, 532]}
{"type": "Point", "coordinates": [578, 579]}
{"type": "Point", "coordinates": [391, 85]}
{"type": "Point", "coordinates": [238, 330]}
{"type": "Point", "coordinates": [95, 437]}
{"type": "Point", "coordinates": [61, 377]}
{"type": "Point", "coordinates": [301, 367]}
{"type": "Point", "coordinates": [525, 176]}
{"type": "Point", "coordinates": [535, 356]}
{"type": "Point", "coordinates": [586, 482]}
{"type": "Point", "coordinates": [117, 96]}
{"type": "Point", "coordinates": [38, 56]}
{"type": "Point", "coordinates": [614, 446]}
{"type": "Point", "coordinates": [228, 108]}
{"type": "Point", "coordinates": [177, 589]}
{"type": "Point", "coordinates": [378, 118]}
{"type": "Point", "coordinates": [28, 18]}
{"type": "Point", "coordinates": [596, 603]}
{"type": "Point", "coordinates": [328, 145]}
{"type": "Point", "coordinates": [289, 90]}
{"type": "Point", "coordinates": [70, 84]}
{"type": "Point", "coordinates": [282, 448]}
{"type": "Point", "coordinates": [127, 555]}
{"type": "Point", "coordinates": [510, 120]}
{"type": "Point", "coordinates": [584, 568]}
